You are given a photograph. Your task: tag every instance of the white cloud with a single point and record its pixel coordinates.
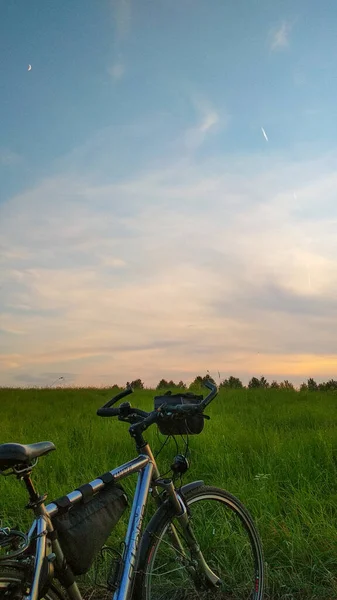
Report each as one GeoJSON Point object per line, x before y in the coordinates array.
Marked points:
{"type": "Point", "coordinates": [180, 269]}
{"type": "Point", "coordinates": [279, 38]}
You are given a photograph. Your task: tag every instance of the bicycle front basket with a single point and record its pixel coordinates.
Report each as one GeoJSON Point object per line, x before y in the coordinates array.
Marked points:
{"type": "Point", "coordinates": [86, 526]}
{"type": "Point", "coordinates": [191, 425]}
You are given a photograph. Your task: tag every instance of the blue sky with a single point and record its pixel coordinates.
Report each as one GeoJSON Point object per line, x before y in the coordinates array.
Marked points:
{"type": "Point", "coordinates": [147, 227]}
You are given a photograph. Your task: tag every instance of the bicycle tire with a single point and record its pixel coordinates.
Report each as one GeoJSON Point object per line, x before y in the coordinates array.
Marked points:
{"type": "Point", "coordinates": [13, 584]}
{"type": "Point", "coordinates": [151, 583]}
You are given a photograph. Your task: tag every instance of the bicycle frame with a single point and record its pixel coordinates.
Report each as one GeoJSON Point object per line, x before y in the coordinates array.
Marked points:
{"type": "Point", "coordinates": [48, 546]}
{"type": "Point", "coordinates": [148, 475]}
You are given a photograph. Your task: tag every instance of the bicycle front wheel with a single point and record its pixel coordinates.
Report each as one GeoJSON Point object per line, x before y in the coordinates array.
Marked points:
{"type": "Point", "coordinates": [228, 540]}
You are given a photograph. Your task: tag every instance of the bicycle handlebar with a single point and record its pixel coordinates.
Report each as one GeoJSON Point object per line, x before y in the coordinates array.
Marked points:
{"type": "Point", "coordinates": [214, 390]}
{"type": "Point", "coordinates": [125, 410]}
{"type": "Point", "coordinates": [107, 412]}
{"type": "Point", "coordinates": [119, 396]}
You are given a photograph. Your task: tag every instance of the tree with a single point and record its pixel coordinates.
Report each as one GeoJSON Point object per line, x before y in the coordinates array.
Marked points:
{"type": "Point", "coordinates": [235, 382]}
{"type": "Point", "coordinates": [331, 385]}
{"type": "Point", "coordinates": [258, 383]}
{"type": "Point", "coordinates": [264, 383]}
{"type": "Point", "coordinates": [274, 385]}
{"type": "Point", "coordinates": [328, 386]}
{"type": "Point", "coordinates": [312, 385]}
{"type": "Point", "coordinates": [162, 384]}
{"type": "Point", "coordinates": [137, 384]}
{"type": "Point", "coordinates": [199, 381]}
{"type": "Point", "coordinates": [254, 383]}
{"type": "Point", "coordinates": [232, 382]}
{"type": "Point", "coordinates": [286, 385]}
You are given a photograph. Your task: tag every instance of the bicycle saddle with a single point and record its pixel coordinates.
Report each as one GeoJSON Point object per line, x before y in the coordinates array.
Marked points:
{"type": "Point", "coordinates": [20, 454]}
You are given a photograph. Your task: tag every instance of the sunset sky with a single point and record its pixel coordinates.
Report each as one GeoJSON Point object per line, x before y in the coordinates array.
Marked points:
{"type": "Point", "coordinates": [147, 227]}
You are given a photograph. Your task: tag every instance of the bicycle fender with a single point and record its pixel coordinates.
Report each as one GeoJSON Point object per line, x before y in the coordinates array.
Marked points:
{"type": "Point", "coordinates": [191, 486]}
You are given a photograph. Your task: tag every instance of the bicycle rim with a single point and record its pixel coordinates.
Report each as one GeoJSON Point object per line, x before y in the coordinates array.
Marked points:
{"type": "Point", "coordinates": [230, 545]}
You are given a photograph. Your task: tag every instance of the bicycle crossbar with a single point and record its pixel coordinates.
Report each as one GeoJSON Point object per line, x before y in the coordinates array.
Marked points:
{"type": "Point", "coordinates": [133, 466]}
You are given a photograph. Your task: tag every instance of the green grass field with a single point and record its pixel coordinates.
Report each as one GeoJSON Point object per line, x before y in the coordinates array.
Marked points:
{"type": "Point", "coordinates": [275, 450]}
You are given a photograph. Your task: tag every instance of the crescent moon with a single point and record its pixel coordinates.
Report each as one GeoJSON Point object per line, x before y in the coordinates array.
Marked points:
{"type": "Point", "coordinates": [29, 67]}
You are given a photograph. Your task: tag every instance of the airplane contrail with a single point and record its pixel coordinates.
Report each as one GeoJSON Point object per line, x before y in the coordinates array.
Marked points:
{"type": "Point", "coordinates": [264, 134]}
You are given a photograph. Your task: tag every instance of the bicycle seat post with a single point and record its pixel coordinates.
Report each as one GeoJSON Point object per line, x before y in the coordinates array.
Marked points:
{"type": "Point", "coordinates": [35, 501]}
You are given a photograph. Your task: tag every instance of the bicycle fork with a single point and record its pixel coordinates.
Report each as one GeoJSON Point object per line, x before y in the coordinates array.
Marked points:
{"type": "Point", "coordinates": [184, 520]}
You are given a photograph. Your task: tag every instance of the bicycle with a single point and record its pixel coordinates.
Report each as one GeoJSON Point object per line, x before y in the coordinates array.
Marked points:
{"type": "Point", "coordinates": [190, 548]}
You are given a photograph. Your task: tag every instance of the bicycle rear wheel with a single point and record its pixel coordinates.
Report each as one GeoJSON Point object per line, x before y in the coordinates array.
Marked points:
{"type": "Point", "coordinates": [13, 585]}
{"type": "Point", "coordinates": [228, 540]}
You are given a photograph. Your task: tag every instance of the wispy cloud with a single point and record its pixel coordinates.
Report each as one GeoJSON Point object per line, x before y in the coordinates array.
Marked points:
{"type": "Point", "coordinates": [211, 118]}
{"type": "Point", "coordinates": [46, 379]}
{"type": "Point", "coordinates": [279, 37]}
{"type": "Point", "coordinates": [183, 263]}
{"type": "Point", "coordinates": [122, 12]}
{"type": "Point", "coordinates": [117, 70]}
{"type": "Point", "coordinates": [122, 16]}
{"type": "Point", "coordinates": [8, 158]}
{"type": "Point", "coordinates": [207, 121]}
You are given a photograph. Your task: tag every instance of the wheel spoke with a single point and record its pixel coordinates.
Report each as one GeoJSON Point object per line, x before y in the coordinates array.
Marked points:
{"type": "Point", "coordinates": [222, 529]}
{"type": "Point", "coordinates": [168, 572]}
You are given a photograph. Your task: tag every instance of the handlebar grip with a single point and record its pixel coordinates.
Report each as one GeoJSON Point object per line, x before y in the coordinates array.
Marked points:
{"type": "Point", "coordinates": [108, 412]}
{"type": "Point", "coordinates": [119, 396]}
{"type": "Point", "coordinates": [214, 390]}
{"type": "Point", "coordinates": [210, 385]}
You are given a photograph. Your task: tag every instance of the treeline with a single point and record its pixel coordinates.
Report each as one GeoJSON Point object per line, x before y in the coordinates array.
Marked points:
{"type": "Point", "coordinates": [235, 383]}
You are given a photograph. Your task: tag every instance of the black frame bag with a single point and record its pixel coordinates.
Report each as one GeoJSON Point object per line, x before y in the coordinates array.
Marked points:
{"type": "Point", "coordinates": [84, 527]}
{"type": "Point", "coordinates": [178, 425]}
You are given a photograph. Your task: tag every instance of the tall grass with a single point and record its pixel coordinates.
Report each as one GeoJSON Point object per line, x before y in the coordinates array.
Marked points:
{"type": "Point", "coordinates": [275, 450]}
